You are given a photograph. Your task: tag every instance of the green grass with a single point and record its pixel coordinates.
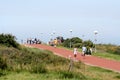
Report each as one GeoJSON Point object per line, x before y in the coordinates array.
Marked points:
{"type": "Point", "coordinates": [90, 73]}
{"type": "Point", "coordinates": [35, 64]}
{"type": "Point", "coordinates": [101, 54]}
{"type": "Point", "coordinates": [107, 55]}
{"type": "Point", "coordinates": [44, 65]}
{"type": "Point", "coordinates": [47, 76]}
{"type": "Point", "coordinates": [101, 74]}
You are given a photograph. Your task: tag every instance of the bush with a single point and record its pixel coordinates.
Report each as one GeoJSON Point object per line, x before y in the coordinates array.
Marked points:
{"type": "Point", "coordinates": [2, 73]}
{"type": "Point", "coordinates": [8, 40]}
{"type": "Point", "coordinates": [117, 51]}
{"type": "Point", "coordinates": [66, 43]}
{"type": "Point", "coordinates": [66, 74]}
{"type": "Point", "coordinates": [3, 64]}
{"type": "Point", "coordinates": [78, 45]}
{"type": "Point", "coordinates": [75, 41]}
{"type": "Point", "coordinates": [109, 48]}
{"type": "Point", "coordinates": [88, 43]}
{"type": "Point", "coordinates": [38, 68]}
{"type": "Point", "coordinates": [71, 75]}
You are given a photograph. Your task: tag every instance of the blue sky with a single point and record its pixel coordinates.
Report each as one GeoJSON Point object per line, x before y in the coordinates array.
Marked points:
{"type": "Point", "coordinates": [30, 18]}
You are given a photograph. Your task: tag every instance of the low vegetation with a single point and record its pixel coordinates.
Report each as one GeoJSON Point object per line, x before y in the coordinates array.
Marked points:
{"type": "Point", "coordinates": [113, 49]}
{"type": "Point", "coordinates": [9, 40]}
{"type": "Point", "coordinates": [21, 63]}
{"type": "Point", "coordinates": [35, 61]}
{"type": "Point", "coordinates": [35, 64]}
{"type": "Point", "coordinates": [108, 51]}
{"type": "Point", "coordinates": [77, 42]}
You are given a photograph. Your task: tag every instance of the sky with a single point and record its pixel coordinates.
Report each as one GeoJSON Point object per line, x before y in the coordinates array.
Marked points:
{"type": "Point", "coordinates": [40, 18]}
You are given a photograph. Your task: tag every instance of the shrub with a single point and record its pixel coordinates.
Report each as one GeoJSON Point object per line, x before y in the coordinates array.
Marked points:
{"type": "Point", "coordinates": [8, 40]}
{"type": "Point", "coordinates": [3, 64]}
{"type": "Point", "coordinates": [71, 75]}
{"type": "Point", "coordinates": [75, 41]}
{"type": "Point", "coordinates": [118, 76]}
{"type": "Point", "coordinates": [109, 48]}
{"type": "Point", "coordinates": [66, 74]}
{"type": "Point", "coordinates": [38, 68]}
{"type": "Point", "coordinates": [66, 43]}
{"type": "Point", "coordinates": [78, 45]}
{"type": "Point", "coordinates": [2, 73]}
{"type": "Point", "coordinates": [88, 43]}
{"type": "Point", "coordinates": [117, 51]}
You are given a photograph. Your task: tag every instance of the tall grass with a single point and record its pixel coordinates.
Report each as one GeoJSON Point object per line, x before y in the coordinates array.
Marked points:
{"type": "Point", "coordinates": [100, 74]}
{"type": "Point", "coordinates": [112, 49]}
{"type": "Point", "coordinates": [107, 55]}
{"type": "Point", "coordinates": [37, 61]}
{"type": "Point", "coordinates": [35, 64]}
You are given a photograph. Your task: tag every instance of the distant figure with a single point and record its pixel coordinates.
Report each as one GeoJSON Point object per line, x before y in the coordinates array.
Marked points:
{"type": "Point", "coordinates": [90, 51]}
{"type": "Point", "coordinates": [30, 41]}
{"type": "Point", "coordinates": [21, 41]}
{"type": "Point", "coordinates": [55, 42]}
{"type": "Point", "coordinates": [75, 52]}
{"type": "Point", "coordinates": [38, 41]}
{"type": "Point", "coordinates": [84, 49]}
{"type": "Point", "coordinates": [33, 41]}
{"type": "Point", "coordinates": [51, 43]}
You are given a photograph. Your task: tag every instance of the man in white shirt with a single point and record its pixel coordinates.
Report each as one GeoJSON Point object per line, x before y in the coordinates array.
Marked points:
{"type": "Point", "coordinates": [84, 49]}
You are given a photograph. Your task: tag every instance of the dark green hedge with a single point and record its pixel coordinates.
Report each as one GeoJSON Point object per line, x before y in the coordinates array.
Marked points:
{"type": "Point", "coordinates": [8, 40]}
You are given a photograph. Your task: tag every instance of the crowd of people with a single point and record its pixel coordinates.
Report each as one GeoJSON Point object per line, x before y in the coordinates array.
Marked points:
{"type": "Point", "coordinates": [85, 51]}
{"type": "Point", "coordinates": [33, 41]}
{"type": "Point", "coordinates": [55, 42]}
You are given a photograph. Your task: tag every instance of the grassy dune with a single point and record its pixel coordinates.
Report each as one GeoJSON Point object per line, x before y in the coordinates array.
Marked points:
{"type": "Point", "coordinates": [35, 64]}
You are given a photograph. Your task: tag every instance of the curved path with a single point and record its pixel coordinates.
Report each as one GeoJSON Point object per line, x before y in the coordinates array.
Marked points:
{"type": "Point", "coordinates": [91, 60]}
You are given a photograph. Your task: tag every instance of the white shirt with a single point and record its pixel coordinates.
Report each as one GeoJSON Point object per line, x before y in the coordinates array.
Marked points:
{"type": "Point", "coordinates": [83, 49]}
{"type": "Point", "coordinates": [75, 50]}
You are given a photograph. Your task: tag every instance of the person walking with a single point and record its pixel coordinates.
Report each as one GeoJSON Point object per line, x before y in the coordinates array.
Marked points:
{"type": "Point", "coordinates": [55, 42]}
{"type": "Point", "coordinates": [75, 52]}
{"type": "Point", "coordinates": [84, 49]}
{"type": "Point", "coordinates": [90, 51]}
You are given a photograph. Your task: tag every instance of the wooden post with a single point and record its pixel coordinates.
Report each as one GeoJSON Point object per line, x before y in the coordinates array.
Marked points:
{"type": "Point", "coordinates": [71, 64]}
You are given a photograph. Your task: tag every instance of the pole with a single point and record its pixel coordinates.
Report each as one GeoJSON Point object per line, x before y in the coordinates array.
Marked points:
{"type": "Point", "coordinates": [71, 64]}
{"type": "Point", "coordinates": [71, 38]}
{"type": "Point", "coordinates": [95, 32]}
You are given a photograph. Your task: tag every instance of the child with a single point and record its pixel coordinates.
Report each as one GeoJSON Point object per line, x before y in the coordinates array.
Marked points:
{"type": "Point", "coordinates": [75, 52]}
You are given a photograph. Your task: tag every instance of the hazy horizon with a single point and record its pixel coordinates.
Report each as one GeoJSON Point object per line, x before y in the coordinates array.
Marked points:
{"type": "Point", "coordinates": [30, 18]}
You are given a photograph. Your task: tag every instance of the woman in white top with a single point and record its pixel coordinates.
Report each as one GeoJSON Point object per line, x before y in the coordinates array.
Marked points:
{"type": "Point", "coordinates": [75, 52]}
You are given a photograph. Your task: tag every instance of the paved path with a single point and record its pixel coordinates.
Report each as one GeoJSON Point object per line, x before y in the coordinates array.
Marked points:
{"type": "Point", "coordinates": [91, 60]}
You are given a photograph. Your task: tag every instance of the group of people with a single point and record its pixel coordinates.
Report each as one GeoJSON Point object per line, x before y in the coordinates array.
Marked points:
{"type": "Point", "coordinates": [53, 42]}
{"type": "Point", "coordinates": [85, 51]}
{"type": "Point", "coordinates": [33, 41]}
